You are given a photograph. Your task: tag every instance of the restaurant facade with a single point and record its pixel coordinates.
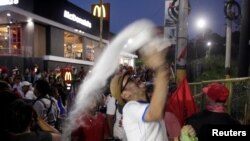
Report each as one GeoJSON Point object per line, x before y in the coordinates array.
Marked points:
{"type": "Point", "coordinates": [49, 34]}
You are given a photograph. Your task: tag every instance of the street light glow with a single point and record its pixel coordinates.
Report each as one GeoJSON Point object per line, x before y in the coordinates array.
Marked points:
{"type": "Point", "coordinates": [201, 23]}
{"type": "Point", "coordinates": [209, 43]}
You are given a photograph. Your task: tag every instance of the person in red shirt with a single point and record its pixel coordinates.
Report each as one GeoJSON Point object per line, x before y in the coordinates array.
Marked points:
{"type": "Point", "coordinates": [93, 125]}
{"type": "Point", "coordinates": [214, 114]}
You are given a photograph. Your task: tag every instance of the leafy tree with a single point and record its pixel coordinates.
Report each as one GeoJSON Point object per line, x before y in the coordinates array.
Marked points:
{"type": "Point", "coordinates": [211, 68]}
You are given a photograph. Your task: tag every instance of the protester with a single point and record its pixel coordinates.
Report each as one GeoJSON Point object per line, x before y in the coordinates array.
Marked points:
{"type": "Point", "coordinates": [143, 121]}
{"type": "Point", "coordinates": [173, 127]}
{"type": "Point", "coordinates": [27, 90]}
{"type": "Point", "coordinates": [4, 86]}
{"type": "Point", "coordinates": [6, 98]}
{"type": "Point", "coordinates": [114, 119]}
{"type": "Point", "coordinates": [17, 86]}
{"type": "Point", "coordinates": [44, 105]}
{"type": "Point", "coordinates": [58, 109]}
{"type": "Point", "coordinates": [92, 125]}
{"type": "Point", "coordinates": [20, 120]}
{"type": "Point", "coordinates": [215, 113]}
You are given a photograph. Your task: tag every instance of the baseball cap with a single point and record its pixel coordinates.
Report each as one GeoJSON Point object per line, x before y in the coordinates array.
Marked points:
{"type": "Point", "coordinates": [217, 92]}
{"type": "Point", "coordinates": [25, 83]}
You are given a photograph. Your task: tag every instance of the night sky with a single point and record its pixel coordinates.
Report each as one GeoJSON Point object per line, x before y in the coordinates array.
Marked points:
{"type": "Point", "coordinates": [124, 12]}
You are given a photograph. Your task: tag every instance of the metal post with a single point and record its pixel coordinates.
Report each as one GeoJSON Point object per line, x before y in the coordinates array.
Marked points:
{"type": "Point", "coordinates": [196, 58]}
{"type": "Point", "coordinates": [195, 46]}
{"type": "Point", "coordinates": [244, 45]}
{"type": "Point", "coordinates": [10, 38]}
{"type": "Point", "coordinates": [170, 25]}
{"type": "Point", "coordinates": [101, 24]}
{"type": "Point", "coordinates": [228, 48]}
{"type": "Point", "coordinates": [182, 40]}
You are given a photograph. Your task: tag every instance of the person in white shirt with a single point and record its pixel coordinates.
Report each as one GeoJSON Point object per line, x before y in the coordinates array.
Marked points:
{"type": "Point", "coordinates": [114, 117]}
{"type": "Point", "coordinates": [17, 86]}
{"type": "Point", "coordinates": [44, 105]}
{"type": "Point", "coordinates": [143, 121]}
{"type": "Point", "coordinates": [28, 90]}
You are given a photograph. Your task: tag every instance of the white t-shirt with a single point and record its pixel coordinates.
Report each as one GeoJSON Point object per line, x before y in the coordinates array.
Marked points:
{"type": "Point", "coordinates": [30, 95]}
{"type": "Point", "coordinates": [118, 129]}
{"type": "Point", "coordinates": [137, 129]}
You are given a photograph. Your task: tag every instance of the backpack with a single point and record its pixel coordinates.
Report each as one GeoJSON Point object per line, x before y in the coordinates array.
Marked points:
{"type": "Point", "coordinates": [32, 102]}
{"type": "Point", "coordinates": [44, 105]}
{"type": "Point", "coordinates": [49, 115]}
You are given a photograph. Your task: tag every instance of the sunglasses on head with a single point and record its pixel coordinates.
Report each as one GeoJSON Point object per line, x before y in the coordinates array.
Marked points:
{"type": "Point", "coordinates": [131, 78]}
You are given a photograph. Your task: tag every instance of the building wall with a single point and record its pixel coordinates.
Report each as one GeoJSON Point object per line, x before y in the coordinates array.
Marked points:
{"type": "Point", "coordinates": [39, 41]}
{"type": "Point", "coordinates": [11, 61]}
{"type": "Point", "coordinates": [56, 42]}
{"type": "Point", "coordinates": [31, 62]}
{"type": "Point", "coordinates": [28, 39]}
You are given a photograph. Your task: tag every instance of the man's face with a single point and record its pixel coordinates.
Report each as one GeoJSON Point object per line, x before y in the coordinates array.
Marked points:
{"type": "Point", "coordinates": [132, 86]}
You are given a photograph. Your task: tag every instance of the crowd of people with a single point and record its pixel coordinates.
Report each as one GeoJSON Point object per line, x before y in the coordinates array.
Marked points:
{"type": "Point", "coordinates": [133, 106]}
{"type": "Point", "coordinates": [140, 109]}
{"type": "Point", "coordinates": [39, 102]}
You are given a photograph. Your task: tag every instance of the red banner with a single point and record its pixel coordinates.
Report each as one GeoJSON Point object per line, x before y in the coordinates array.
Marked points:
{"type": "Point", "coordinates": [181, 102]}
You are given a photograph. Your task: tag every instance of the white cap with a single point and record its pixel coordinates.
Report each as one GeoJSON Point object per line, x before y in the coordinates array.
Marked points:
{"type": "Point", "coordinates": [25, 83]}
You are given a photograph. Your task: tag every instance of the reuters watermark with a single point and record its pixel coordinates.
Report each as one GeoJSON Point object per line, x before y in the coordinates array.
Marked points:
{"type": "Point", "coordinates": [221, 132]}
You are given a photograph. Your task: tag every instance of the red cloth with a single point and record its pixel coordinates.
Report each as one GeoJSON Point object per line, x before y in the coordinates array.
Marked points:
{"type": "Point", "coordinates": [93, 130]}
{"type": "Point", "coordinates": [172, 124]}
{"type": "Point", "coordinates": [4, 69]}
{"type": "Point", "coordinates": [181, 102]}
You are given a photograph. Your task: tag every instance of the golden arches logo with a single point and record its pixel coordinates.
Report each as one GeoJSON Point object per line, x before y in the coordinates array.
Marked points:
{"type": "Point", "coordinates": [98, 10]}
{"type": "Point", "coordinates": [67, 76]}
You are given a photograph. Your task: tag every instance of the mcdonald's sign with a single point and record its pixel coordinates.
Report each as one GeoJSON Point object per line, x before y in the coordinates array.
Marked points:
{"type": "Point", "coordinates": [104, 8]}
{"type": "Point", "coordinates": [67, 76]}
{"type": "Point", "coordinates": [68, 79]}
{"type": "Point", "coordinates": [98, 9]}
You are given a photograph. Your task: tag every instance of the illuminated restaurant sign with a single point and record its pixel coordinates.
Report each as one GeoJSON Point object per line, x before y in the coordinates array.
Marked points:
{"type": "Point", "coordinates": [8, 2]}
{"type": "Point", "coordinates": [98, 10]}
{"type": "Point", "coordinates": [73, 17]}
{"type": "Point", "coordinates": [68, 76]}
{"type": "Point", "coordinates": [104, 9]}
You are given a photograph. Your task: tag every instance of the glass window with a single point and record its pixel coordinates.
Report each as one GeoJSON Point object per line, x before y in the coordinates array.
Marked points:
{"type": "Point", "coordinates": [73, 46]}
{"type": "Point", "coordinates": [78, 47]}
{"type": "Point", "coordinates": [10, 40]}
{"type": "Point", "coordinates": [90, 50]}
{"type": "Point", "coordinates": [4, 37]}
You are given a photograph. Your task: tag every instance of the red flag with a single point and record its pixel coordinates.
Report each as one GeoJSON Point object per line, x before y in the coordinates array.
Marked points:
{"type": "Point", "coordinates": [181, 102]}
